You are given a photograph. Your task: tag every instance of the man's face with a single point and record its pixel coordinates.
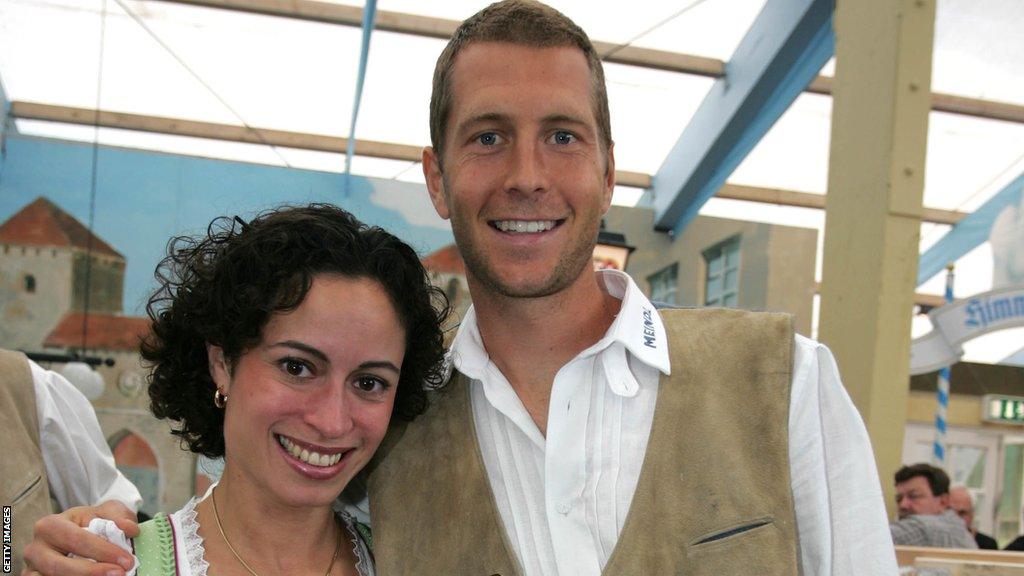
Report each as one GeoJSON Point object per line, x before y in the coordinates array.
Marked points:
{"type": "Point", "coordinates": [960, 502]}
{"type": "Point", "coordinates": [524, 177]}
{"type": "Point", "coordinates": [915, 497]}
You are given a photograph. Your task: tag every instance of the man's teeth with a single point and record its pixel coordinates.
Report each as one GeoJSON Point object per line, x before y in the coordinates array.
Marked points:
{"type": "Point", "coordinates": [524, 226]}
{"type": "Point", "coordinates": [308, 457]}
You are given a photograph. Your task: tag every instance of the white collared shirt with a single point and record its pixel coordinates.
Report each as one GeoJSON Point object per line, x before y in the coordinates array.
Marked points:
{"type": "Point", "coordinates": [563, 499]}
{"type": "Point", "coordinates": [79, 466]}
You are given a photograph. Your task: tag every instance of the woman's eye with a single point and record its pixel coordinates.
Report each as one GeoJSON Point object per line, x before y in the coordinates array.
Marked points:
{"type": "Point", "coordinates": [372, 384]}
{"type": "Point", "coordinates": [562, 137]}
{"type": "Point", "coordinates": [297, 368]}
{"type": "Point", "coordinates": [488, 139]}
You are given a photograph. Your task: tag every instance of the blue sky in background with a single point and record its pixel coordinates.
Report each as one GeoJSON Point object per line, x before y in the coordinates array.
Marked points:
{"type": "Point", "coordinates": [144, 198]}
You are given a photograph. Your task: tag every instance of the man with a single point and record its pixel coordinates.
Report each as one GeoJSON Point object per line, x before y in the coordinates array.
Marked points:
{"type": "Point", "coordinates": [922, 495]}
{"type": "Point", "coordinates": [584, 431]}
{"type": "Point", "coordinates": [961, 501]}
{"type": "Point", "coordinates": [54, 450]}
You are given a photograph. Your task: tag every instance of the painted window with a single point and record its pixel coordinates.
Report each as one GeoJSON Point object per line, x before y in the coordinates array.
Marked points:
{"type": "Point", "coordinates": [722, 265]}
{"type": "Point", "coordinates": [30, 284]}
{"type": "Point", "coordinates": [664, 284]}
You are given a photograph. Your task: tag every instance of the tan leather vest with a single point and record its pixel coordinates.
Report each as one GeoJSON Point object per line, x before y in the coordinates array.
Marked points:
{"type": "Point", "coordinates": [22, 474]}
{"type": "Point", "coordinates": [714, 494]}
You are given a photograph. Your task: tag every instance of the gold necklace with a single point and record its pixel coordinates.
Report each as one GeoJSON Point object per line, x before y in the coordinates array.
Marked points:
{"type": "Point", "coordinates": [216, 514]}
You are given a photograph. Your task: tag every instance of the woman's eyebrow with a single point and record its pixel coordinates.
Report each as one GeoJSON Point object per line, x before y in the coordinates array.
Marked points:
{"type": "Point", "coordinates": [381, 364]}
{"type": "Point", "coordinates": [302, 347]}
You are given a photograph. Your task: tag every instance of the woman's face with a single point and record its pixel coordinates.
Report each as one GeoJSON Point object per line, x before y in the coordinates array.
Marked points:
{"type": "Point", "coordinates": [308, 405]}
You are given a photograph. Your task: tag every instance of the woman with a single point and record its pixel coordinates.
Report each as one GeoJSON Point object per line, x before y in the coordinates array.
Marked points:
{"type": "Point", "coordinates": [284, 345]}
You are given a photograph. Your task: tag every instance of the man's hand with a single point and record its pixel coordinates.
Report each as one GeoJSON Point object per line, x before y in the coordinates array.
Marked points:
{"type": "Point", "coordinates": [58, 535]}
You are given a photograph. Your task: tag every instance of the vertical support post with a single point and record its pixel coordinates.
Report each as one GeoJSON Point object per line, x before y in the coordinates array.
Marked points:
{"type": "Point", "coordinates": [942, 393]}
{"type": "Point", "coordinates": [873, 208]}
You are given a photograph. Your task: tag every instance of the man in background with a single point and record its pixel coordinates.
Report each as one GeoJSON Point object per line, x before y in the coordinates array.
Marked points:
{"type": "Point", "coordinates": [926, 519]}
{"type": "Point", "coordinates": [962, 502]}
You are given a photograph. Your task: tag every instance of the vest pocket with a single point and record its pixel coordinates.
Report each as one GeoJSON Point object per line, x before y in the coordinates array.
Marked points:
{"type": "Point", "coordinates": [27, 491]}
{"type": "Point", "coordinates": [750, 547]}
{"type": "Point", "coordinates": [730, 532]}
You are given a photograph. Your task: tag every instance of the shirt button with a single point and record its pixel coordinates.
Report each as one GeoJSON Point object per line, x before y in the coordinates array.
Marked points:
{"type": "Point", "coordinates": [564, 507]}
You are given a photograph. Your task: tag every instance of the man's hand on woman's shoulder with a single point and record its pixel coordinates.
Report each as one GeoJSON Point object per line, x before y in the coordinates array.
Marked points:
{"type": "Point", "coordinates": [58, 535]}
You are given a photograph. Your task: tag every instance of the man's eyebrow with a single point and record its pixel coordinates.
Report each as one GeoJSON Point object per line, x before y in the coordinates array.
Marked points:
{"type": "Point", "coordinates": [481, 118]}
{"type": "Point", "coordinates": [562, 119]}
{"type": "Point", "coordinates": [301, 347]}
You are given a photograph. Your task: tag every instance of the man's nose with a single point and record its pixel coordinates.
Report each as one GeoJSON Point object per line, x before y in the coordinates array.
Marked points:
{"type": "Point", "coordinates": [527, 171]}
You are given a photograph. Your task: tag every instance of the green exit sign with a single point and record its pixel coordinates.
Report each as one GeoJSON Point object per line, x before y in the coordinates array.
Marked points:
{"type": "Point", "coordinates": [1003, 409]}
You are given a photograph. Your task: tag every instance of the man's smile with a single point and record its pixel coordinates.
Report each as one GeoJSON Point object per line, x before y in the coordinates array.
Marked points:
{"type": "Point", "coordinates": [525, 226]}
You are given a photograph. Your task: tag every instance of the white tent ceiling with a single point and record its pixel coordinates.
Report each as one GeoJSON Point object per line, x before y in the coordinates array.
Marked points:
{"type": "Point", "coordinates": [173, 60]}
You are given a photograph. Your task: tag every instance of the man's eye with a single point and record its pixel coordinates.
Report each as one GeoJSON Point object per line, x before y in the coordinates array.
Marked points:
{"type": "Point", "coordinates": [295, 367]}
{"type": "Point", "coordinates": [562, 137]}
{"type": "Point", "coordinates": [371, 384]}
{"type": "Point", "coordinates": [488, 139]}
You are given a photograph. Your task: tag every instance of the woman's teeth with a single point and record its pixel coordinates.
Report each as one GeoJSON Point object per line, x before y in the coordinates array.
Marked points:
{"type": "Point", "coordinates": [308, 457]}
{"type": "Point", "coordinates": [524, 226]}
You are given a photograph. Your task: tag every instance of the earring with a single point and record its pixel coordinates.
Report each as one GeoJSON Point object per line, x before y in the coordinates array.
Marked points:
{"type": "Point", "coordinates": [219, 400]}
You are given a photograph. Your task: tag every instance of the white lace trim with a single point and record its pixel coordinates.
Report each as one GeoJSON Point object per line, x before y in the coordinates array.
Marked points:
{"type": "Point", "coordinates": [364, 564]}
{"type": "Point", "coordinates": [195, 551]}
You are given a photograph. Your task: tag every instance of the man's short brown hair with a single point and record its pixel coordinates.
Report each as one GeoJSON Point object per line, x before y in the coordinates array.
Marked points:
{"type": "Point", "coordinates": [937, 478]}
{"type": "Point", "coordinates": [525, 23]}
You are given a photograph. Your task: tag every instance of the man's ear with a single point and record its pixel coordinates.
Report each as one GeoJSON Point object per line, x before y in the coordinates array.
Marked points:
{"type": "Point", "coordinates": [609, 179]}
{"type": "Point", "coordinates": [435, 182]}
{"type": "Point", "coordinates": [219, 370]}
{"type": "Point", "coordinates": [944, 500]}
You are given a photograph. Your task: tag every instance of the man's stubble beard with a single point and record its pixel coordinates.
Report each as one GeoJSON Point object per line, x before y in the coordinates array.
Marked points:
{"type": "Point", "coordinates": [566, 271]}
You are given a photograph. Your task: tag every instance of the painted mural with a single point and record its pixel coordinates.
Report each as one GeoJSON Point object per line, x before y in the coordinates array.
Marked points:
{"type": "Point", "coordinates": [144, 198]}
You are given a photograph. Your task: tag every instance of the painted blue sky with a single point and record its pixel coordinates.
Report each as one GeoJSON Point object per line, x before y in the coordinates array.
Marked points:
{"type": "Point", "coordinates": [145, 198]}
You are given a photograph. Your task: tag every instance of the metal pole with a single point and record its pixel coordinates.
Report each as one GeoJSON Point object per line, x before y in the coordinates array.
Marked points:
{"type": "Point", "coordinates": [939, 452]}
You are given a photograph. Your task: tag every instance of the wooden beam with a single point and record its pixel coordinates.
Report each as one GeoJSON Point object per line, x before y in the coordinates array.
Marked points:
{"type": "Point", "coordinates": [441, 28]}
{"type": "Point", "coordinates": [920, 298]}
{"type": "Point", "coordinates": [810, 200]}
{"type": "Point", "coordinates": [387, 150]}
{"type": "Point", "coordinates": [196, 129]}
{"type": "Point", "coordinates": [949, 103]}
{"type": "Point", "coordinates": [633, 179]}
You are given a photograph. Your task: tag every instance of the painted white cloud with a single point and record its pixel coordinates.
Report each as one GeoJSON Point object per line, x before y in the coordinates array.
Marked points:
{"type": "Point", "coordinates": [408, 199]}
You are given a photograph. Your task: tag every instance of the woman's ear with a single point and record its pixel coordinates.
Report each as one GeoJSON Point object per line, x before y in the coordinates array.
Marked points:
{"type": "Point", "coordinates": [219, 368]}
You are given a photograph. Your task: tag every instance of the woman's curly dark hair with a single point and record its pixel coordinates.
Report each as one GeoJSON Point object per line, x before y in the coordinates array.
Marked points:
{"type": "Point", "coordinates": [223, 287]}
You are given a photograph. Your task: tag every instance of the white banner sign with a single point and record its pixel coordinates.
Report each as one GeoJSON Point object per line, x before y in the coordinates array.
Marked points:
{"type": "Point", "coordinates": [963, 320]}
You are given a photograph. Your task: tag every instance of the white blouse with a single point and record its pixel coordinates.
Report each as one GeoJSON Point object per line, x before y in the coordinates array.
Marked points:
{"type": "Point", "coordinates": [190, 552]}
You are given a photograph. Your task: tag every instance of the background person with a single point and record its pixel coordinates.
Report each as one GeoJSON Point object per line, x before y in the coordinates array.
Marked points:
{"type": "Point", "coordinates": [925, 518]}
{"type": "Point", "coordinates": [961, 501]}
{"type": "Point", "coordinates": [285, 346]}
{"type": "Point", "coordinates": [53, 450]}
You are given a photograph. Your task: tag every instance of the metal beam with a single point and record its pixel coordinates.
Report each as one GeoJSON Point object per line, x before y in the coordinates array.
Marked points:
{"type": "Point", "coordinates": [416, 25]}
{"type": "Point", "coordinates": [369, 15]}
{"type": "Point", "coordinates": [972, 231]}
{"type": "Point", "coordinates": [780, 55]}
{"type": "Point", "coordinates": [387, 150]}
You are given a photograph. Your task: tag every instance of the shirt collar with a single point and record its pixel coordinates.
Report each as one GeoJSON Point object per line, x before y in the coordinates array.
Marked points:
{"type": "Point", "coordinates": [637, 328]}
